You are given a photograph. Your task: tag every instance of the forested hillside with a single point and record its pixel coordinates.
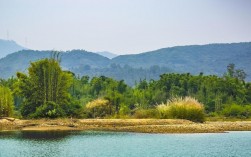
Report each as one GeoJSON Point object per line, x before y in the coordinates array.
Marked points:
{"type": "Point", "coordinates": [19, 61]}
{"type": "Point", "coordinates": [209, 59]}
{"type": "Point", "coordinates": [81, 63]}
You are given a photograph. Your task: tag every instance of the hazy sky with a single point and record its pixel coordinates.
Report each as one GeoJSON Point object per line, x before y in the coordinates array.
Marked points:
{"type": "Point", "coordinates": [123, 26]}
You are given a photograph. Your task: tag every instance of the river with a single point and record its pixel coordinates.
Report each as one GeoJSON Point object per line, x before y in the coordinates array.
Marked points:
{"type": "Point", "coordinates": [116, 144]}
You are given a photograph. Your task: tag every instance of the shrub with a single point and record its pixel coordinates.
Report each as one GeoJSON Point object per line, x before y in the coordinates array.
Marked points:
{"type": "Point", "coordinates": [97, 103]}
{"type": "Point", "coordinates": [182, 108]}
{"type": "Point", "coordinates": [48, 110]}
{"type": "Point", "coordinates": [99, 107]}
{"type": "Point", "coordinates": [72, 109]}
{"type": "Point", "coordinates": [124, 110]}
{"type": "Point", "coordinates": [6, 102]}
{"type": "Point", "coordinates": [237, 111]}
{"type": "Point", "coordinates": [146, 113]}
{"type": "Point", "coordinates": [247, 111]}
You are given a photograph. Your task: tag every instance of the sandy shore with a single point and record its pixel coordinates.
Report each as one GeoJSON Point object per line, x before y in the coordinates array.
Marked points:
{"type": "Point", "coordinates": [125, 125]}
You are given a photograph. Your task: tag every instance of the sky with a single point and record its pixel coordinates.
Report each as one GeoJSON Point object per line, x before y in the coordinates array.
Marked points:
{"type": "Point", "coordinates": [123, 26]}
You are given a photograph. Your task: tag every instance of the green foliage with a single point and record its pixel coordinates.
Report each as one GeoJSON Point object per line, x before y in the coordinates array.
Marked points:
{"type": "Point", "coordinates": [48, 110]}
{"type": "Point", "coordinates": [212, 91]}
{"type": "Point", "coordinates": [11, 84]}
{"type": "Point", "coordinates": [124, 110]}
{"type": "Point", "coordinates": [46, 82]}
{"type": "Point", "coordinates": [6, 102]}
{"type": "Point", "coordinates": [73, 108]}
{"type": "Point", "coordinates": [237, 111]}
{"type": "Point", "coordinates": [235, 73]}
{"type": "Point", "coordinates": [182, 108]}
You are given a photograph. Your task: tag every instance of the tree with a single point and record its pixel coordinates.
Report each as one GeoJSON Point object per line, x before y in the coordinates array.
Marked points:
{"type": "Point", "coordinates": [6, 102]}
{"type": "Point", "coordinates": [231, 70]}
{"type": "Point", "coordinates": [239, 74]}
{"type": "Point", "coordinates": [46, 82]}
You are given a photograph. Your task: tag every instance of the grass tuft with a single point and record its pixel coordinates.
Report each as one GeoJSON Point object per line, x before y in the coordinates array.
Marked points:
{"type": "Point", "coordinates": [182, 108]}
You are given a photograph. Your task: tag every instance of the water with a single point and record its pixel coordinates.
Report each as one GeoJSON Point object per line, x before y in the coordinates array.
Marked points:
{"type": "Point", "coordinates": [111, 144]}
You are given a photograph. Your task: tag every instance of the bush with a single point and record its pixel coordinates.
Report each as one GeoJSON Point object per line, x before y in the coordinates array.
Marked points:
{"type": "Point", "coordinates": [48, 110]}
{"type": "Point", "coordinates": [237, 111]}
{"type": "Point", "coordinates": [146, 113]}
{"type": "Point", "coordinates": [182, 108]}
{"type": "Point", "coordinates": [6, 102]}
{"type": "Point", "coordinates": [99, 108]}
{"type": "Point", "coordinates": [124, 110]}
{"type": "Point", "coordinates": [72, 109]}
{"type": "Point", "coordinates": [247, 111]}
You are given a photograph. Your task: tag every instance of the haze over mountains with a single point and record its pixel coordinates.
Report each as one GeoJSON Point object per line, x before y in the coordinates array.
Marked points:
{"type": "Point", "coordinates": [107, 54]}
{"type": "Point", "coordinates": [209, 59]}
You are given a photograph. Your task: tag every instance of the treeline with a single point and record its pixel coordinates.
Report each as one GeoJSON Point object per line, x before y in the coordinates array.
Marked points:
{"type": "Point", "coordinates": [48, 91]}
{"type": "Point", "coordinates": [127, 73]}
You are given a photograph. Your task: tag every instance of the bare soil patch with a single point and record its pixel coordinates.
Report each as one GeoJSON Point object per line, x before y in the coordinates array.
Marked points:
{"type": "Point", "coordinates": [125, 125]}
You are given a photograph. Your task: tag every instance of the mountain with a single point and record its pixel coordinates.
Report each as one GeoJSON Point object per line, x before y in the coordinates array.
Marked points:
{"type": "Point", "coordinates": [209, 59]}
{"type": "Point", "coordinates": [19, 61]}
{"type": "Point", "coordinates": [107, 54]}
{"type": "Point", "coordinates": [8, 47]}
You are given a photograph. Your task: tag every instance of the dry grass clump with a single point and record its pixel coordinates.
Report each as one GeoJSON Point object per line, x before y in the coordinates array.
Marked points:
{"type": "Point", "coordinates": [97, 103]}
{"type": "Point", "coordinates": [99, 108]}
{"type": "Point", "coordinates": [182, 108]}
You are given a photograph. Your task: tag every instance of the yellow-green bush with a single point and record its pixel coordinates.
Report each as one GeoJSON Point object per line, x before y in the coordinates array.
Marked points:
{"type": "Point", "coordinates": [99, 107]}
{"type": "Point", "coordinates": [182, 108]}
{"type": "Point", "coordinates": [146, 113]}
{"type": "Point", "coordinates": [6, 102]}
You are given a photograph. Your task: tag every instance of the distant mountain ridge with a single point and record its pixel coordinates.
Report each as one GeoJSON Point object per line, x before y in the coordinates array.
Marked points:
{"type": "Point", "coordinates": [209, 59]}
{"type": "Point", "coordinates": [8, 47]}
{"type": "Point", "coordinates": [107, 54]}
{"type": "Point", "coordinates": [19, 61]}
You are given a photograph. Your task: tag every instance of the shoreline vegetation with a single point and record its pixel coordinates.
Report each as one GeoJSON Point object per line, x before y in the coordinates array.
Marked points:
{"type": "Point", "coordinates": [124, 125]}
{"type": "Point", "coordinates": [47, 96]}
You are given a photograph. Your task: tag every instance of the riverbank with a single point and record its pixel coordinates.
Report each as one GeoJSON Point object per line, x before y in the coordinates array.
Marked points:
{"type": "Point", "coordinates": [125, 125]}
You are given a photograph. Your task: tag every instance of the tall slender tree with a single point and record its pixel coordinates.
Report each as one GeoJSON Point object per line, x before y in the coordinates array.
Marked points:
{"type": "Point", "coordinates": [46, 82]}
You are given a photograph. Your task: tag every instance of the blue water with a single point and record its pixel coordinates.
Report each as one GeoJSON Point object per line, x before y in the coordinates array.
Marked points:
{"type": "Point", "coordinates": [110, 144]}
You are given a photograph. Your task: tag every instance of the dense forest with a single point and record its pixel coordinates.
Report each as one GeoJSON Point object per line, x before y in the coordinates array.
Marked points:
{"type": "Point", "coordinates": [49, 92]}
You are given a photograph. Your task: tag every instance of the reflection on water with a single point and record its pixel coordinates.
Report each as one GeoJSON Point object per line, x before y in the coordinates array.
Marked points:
{"type": "Point", "coordinates": [35, 135]}
{"type": "Point", "coordinates": [110, 144]}
{"type": "Point", "coordinates": [52, 135]}
{"type": "Point", "coordinates": [44, 135]}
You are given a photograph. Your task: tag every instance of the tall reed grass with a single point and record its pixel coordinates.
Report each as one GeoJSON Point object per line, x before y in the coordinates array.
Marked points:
{"type": "Point", "coordinates": [182, 108]}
